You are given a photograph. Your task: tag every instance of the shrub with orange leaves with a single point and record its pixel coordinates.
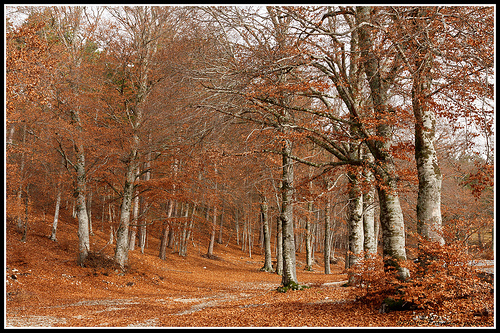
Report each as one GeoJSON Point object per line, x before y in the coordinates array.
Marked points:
{"type": "Point", "coordinates": [372, 281]}
{"type": "Point", "coordinates": [443, 273]}
{"type": "Point", "coordinates": [442, 277]}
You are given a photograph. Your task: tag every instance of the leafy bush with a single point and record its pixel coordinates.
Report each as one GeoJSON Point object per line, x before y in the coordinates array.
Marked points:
{"type": "Point", "coordinates": [440, 277]}
{"type": "Point", "coordinates": [443, 273]}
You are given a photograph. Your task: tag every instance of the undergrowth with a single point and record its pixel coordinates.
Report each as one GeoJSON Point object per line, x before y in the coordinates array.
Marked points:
{"type": "Point", "coordinates": [291, 286]}
{"type": "Point", "coordinates": [442, 278]}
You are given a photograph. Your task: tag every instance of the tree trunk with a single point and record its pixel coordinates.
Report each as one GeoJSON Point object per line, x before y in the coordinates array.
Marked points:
{"type": "Point", "coordinates": [20, 224]}
{"type": "Point", "coordinates": [81, 209]}
{"type": "Point", "coordinates": [309, 259]}
{"type": "Point", "coordinates": [355, 224]}
{"type": "Point", "coordinates": [370, 244]}
{"type": "Point", "coordinates": [163, 242]}
{"type": "Point", "coordinates": [393, 230]}
{"type": "Point", "coordinates": [26, 215]}
{"type": "Point", "coordinates": [171, 231]}
{"type": "Point", "coordinates": [429, 174]}
{"type": "Point", "coordinates": [135, 214]}
{"type": "Point", "coordinates": [391, 217]}
{"type": "Point", "coordinates": [56, 215]}
{"type": "Point", "coordinates": [237, 226]}
{"type": "Point", "coordinates": [89, 211]}
{"type": "Point", "coordinates": [250, 238]}
{"type": "Point", "coordinates": [186, 231]}
{"type": "Point", "coordinates": [122, 233]}
{"type": "Point", "coordinates": [219, 239]}
{"type": "Point", "coordinates": [279, 247]}
{"type": "Point", "coordinates": [268, 264]}
{"type": "Point", "coordinates": [326, 247]}
{"type": "Point", "coordinates": [309, 227]}
{"type": "Point", "coordinates": [142, 228]}
{"type": "Point", "coordinates": [210, 252]}
{"type": "Point", "coordinates": [289, 264]}
{"type": "Point", "coordinates": [166, 231]}
{"type": "Point", "coordinates": [80, 191]}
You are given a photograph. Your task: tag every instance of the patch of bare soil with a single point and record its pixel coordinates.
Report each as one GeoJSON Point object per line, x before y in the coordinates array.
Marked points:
{"type": "Point", "coordinates": [46, 288]}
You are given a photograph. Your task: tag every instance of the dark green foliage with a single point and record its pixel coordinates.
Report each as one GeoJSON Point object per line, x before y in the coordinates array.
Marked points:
{"type": "Point", "coordinates": [291, 286]}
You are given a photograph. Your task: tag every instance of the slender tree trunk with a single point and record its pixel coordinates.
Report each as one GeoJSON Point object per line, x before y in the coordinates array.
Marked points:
{"type": "Point", "coordinates": [20, 188]}
{"type": "Point", "coordinates": [147, 177]}
{"type": "Point", "coordinates": [237, 226]}
{"type": "Point", "coordinates": [219, 239]}
{"type": "Point", "coordinates": [186, 231]}
{"type": "Point", "coordinates": [370, 245]}
{"type": "Point", "coordinates": [165, 232]}
{"type": "Point", "coordinates": [135, 214]}
{"type": "Point", "coordinates": [10, 136]}
{"type": "Point", "coordinates": [81, 209]}
{"type": "Point", "coordinates": [191, 222]}
{"type": "Point", "coordinates": [309, 259]}
{"type": "Point", "coordinates": [185, 212]}
{"type": "Point", "coordinates": [163, 242]}
{"type": "Point", "coordinates": [111, 233]}
{"type": "Point", "coordinates": [287, 188]}
{"type": "Point", "coordinates": [81, 192]}
{"type": "Point", "coordinates": [56, 215]}
{"type": "Point", "coordinates": [268, 264]}
{"type": "Point", "coordinates": [171, 231]}
{"type": "Point", "coordinates": [210, 252]}
{"type": "Point", "coordinates": [309, 228]}
{"type": "Point", "coordinates": [89, 211]}
{"type": "Point", "coordinates": [121, 250]}
{"type": "Point", "coordinates": [122, 233]}
{"type": "Point", "coordinates": [355, 227]}
{"type": "Point", "coordinates": [244, 235]}
{"type": "Point", "coordinates": [26, 215]}
{"type": "Point", "coordinates": [326, 247]}
{"type": "Point", "coordinates": [279, 247]}
{"type": "Point", "coordinates": [250, 238]}
{"type": "Point", "coordinates": [356, 198]}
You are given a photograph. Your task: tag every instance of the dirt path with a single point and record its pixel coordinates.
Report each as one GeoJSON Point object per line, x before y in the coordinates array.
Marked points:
{"type": "Point", "coordinates": [171, 311]}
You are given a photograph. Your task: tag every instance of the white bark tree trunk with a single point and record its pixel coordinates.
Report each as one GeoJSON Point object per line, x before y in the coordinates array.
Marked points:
{"type": "Point", "coordinates": [326, 247]}
{"type": "Point", "coordinates": [135, 214]}
{"type": "Point", "coordinates": [309, 250]}
{"type": "Point", "coordinates": [429, 218]}
{"type": "Point", "coordinates": [210, 251]}
{"type": "Point", "coordinates": [279, 246]}
{"type": "Point", "coordinates": [81, 208]}
{"type": "Point", "coordinates": [143, 228]}
{"type": "Point", "coordinates": [355, 223]}
{"type": "Point", "coordinates": [122, 233]}
{"type": "Point", "coordinates": [287, 188]}
{"type": "Point", "coordinates": [370, 238]}
{"type": "Point", "coordinates": [56, 215]}
{"type": "Point", "coordinates": [391, 216]}
{"type": "Point", "coordinates": [268, 264]}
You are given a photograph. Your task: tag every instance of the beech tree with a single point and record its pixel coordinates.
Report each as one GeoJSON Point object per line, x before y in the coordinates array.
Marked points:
{"type": "Point", "coordinates": [74, 31]}
{"type": "Point", "coordinates": [258, 112]}
{"type": "Point", "coordinates": [143, 28]}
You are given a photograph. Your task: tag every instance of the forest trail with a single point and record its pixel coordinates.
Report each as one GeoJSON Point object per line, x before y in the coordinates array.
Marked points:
{"type": "Point", "coordinates": [45, 288]}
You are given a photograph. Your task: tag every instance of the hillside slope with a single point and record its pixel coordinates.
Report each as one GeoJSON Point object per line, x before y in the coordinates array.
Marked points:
{"type": "Point", "coordinates": [45, 287]}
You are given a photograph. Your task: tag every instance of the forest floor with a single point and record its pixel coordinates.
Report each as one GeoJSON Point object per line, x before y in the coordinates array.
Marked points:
{"type": "Point", "coordinates": [45, 287]}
